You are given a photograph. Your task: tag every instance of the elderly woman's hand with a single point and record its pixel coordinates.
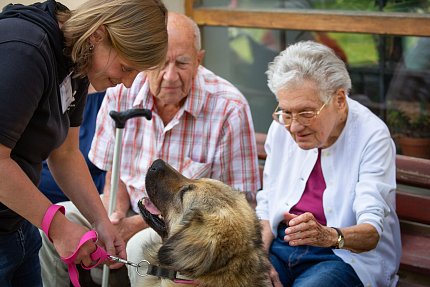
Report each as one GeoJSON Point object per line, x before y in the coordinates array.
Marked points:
{"type": "Point", "coordinates": [304, 229]}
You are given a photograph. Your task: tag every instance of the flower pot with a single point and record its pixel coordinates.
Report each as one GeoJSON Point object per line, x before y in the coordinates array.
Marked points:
{"type": "Point", "coordinates": [416, 147]}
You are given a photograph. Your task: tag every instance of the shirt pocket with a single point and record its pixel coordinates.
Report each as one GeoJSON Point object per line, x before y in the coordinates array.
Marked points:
{"type": "Point", "coordinates": [194, 169]}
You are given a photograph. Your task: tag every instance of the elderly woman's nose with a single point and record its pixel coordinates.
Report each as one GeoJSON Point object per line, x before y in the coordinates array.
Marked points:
{"type": "Point", "coordinates": [295, 126]}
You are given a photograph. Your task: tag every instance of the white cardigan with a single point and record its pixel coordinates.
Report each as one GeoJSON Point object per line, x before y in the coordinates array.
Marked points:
{"type": "Point", "coordinates": [359, 171]}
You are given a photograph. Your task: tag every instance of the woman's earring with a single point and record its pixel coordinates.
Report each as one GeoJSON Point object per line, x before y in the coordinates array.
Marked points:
{"type": "Point", "coordinates": [91, 48]}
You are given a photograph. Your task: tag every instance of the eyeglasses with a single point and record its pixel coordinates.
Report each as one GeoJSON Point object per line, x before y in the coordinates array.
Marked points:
{"type": "Point", "coordinates": [304, 118]}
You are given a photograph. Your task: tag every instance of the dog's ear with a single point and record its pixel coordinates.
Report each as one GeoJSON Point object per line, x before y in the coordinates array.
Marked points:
{"type": "Point", "coordinates": [192, 250]}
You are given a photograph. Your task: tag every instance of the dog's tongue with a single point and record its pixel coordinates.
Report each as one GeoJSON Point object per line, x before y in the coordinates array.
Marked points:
{"type": "Point", "coordinates": [150, 206]}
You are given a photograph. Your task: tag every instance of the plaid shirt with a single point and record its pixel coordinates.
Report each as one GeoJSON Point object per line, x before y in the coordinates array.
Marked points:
{"type": "Point", "coordinates": [212, 135]}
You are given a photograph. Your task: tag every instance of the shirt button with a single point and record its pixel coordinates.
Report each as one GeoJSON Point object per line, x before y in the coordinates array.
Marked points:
{"type": "Point", "coordinates": [330, 210]}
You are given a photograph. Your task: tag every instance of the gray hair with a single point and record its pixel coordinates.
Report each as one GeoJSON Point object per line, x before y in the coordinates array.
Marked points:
{"type": "Point", "coordinates": [312, 61]}
{"type": "Point", "coordinates": [197, 36]}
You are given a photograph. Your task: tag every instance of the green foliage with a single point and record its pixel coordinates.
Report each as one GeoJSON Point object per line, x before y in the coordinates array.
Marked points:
{"type": "Point", "coordinates": [360, 49]}
{"type": "Point", "coordinates": [401, 124]}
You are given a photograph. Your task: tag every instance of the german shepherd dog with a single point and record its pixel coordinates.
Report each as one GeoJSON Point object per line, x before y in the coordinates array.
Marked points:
{"type": "Point", "coordinates": [209, 232]}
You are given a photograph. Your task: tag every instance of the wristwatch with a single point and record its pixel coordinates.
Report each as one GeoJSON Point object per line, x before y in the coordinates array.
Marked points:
{"type": "Point", "coordinates": [340, 239]}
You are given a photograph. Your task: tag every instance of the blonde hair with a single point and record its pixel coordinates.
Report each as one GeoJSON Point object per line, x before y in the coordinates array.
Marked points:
{"type": "Point", "coordinates": [136, 30]}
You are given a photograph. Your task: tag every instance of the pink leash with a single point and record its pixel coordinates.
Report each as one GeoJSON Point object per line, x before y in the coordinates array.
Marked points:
{"type": "Point", "coordinates": [99, 255]}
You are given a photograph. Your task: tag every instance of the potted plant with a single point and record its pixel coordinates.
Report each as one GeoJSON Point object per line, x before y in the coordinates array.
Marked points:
{"type": "Point", "coordinates": [411, 131]}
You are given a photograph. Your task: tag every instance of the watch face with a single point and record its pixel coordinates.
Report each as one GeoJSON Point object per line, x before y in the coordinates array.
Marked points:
{"type": "Point", "coordinates": [341, 242]}
{"type": "Point", "coordinates": [340, 239]}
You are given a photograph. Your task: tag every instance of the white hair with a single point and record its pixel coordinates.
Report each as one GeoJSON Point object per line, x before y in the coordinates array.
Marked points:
{"type": "Point", "coordinates": [312, 61]}
{"type": "Point", "coordinates": [197, 36]}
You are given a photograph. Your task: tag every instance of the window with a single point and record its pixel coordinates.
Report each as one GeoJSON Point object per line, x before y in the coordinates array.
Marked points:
{"type": "Point", "coordinates": [385, 44]}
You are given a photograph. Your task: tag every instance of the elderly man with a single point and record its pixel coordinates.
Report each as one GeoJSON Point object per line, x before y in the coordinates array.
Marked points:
{"type": "Point", "coordinates": [201, 125]}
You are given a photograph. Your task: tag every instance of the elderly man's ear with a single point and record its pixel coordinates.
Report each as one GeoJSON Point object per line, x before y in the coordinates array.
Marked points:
{"type": "Point", "coordinates": [200, 56]}
{"type": "Point", "coordinates": [340, 98]}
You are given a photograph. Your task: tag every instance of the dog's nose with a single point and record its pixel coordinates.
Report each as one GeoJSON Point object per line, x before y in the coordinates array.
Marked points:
{"type": "Point", "coordinates": [157, 165]}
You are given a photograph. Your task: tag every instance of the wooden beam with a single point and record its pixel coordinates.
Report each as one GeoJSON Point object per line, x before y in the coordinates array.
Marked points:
{"type": "Point", "coordinates": [413, 207]}
{"type": "Point", "coordinates": [315, 20]}
{"type": "Point", "coordinates": [415, 254]}
{"type": "Point", "coordinates": [413, 171]}
{"type": "Point", "coordinates": [260, 138]}
{"type": "Point", "coordinates": [189, 8]}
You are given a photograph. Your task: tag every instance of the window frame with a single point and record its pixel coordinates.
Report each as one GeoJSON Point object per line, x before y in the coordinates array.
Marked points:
{"type": "Point", "coordinates": [379, 23]}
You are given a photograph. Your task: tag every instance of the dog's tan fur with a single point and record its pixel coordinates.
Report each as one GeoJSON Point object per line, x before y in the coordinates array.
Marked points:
{"type": "Point", "coordinates": [213, 235]}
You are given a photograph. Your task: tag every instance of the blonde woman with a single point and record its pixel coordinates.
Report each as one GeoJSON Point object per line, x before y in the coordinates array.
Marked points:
{"type": "Point", "coordinates": [49, 55]}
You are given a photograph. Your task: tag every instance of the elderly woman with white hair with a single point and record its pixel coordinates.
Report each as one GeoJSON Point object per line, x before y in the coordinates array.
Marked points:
{"type": "Point", "coordinates": [328, 200]}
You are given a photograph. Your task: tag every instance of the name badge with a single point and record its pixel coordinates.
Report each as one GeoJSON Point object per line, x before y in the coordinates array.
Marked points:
{"type": "Point", "coordinates": [66, 93]}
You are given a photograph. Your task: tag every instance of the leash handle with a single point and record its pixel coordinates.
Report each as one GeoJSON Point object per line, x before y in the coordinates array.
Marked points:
{"type": "Point", "coordinates": [99, 255]}
{"type": "Point", "coordinates": [49, 216]}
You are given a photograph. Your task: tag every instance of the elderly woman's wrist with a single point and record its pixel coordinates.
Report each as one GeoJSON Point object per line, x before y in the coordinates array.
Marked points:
{"type": "Point", "coordinates": [339, 238]}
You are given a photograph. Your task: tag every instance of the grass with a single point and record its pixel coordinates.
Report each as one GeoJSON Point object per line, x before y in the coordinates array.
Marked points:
{"type": "Point", "coordinates": [360, 48]}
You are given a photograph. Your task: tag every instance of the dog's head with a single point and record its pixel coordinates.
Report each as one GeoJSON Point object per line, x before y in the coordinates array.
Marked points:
{"type": "Point", "coordinates": [206, 226]}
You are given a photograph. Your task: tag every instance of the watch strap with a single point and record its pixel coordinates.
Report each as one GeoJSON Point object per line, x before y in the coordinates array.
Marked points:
{"type": "Point", "coordinates": [340, 238]}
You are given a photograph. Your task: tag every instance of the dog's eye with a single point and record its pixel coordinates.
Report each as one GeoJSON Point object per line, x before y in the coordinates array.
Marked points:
{"type": "Point", "coordinates": [184, 189]}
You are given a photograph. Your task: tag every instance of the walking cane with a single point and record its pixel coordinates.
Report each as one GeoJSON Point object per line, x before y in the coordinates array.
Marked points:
{"type": "Point", "coordinates": [120, 119]}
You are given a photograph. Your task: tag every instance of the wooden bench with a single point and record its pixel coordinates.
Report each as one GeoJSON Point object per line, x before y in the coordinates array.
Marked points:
{"type": "Point", "coordinates": [413, 210]}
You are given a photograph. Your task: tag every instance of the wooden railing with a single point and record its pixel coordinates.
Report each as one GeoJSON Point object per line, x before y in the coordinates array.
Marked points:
{"type": "Point", "coordinates": [385, 23]}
